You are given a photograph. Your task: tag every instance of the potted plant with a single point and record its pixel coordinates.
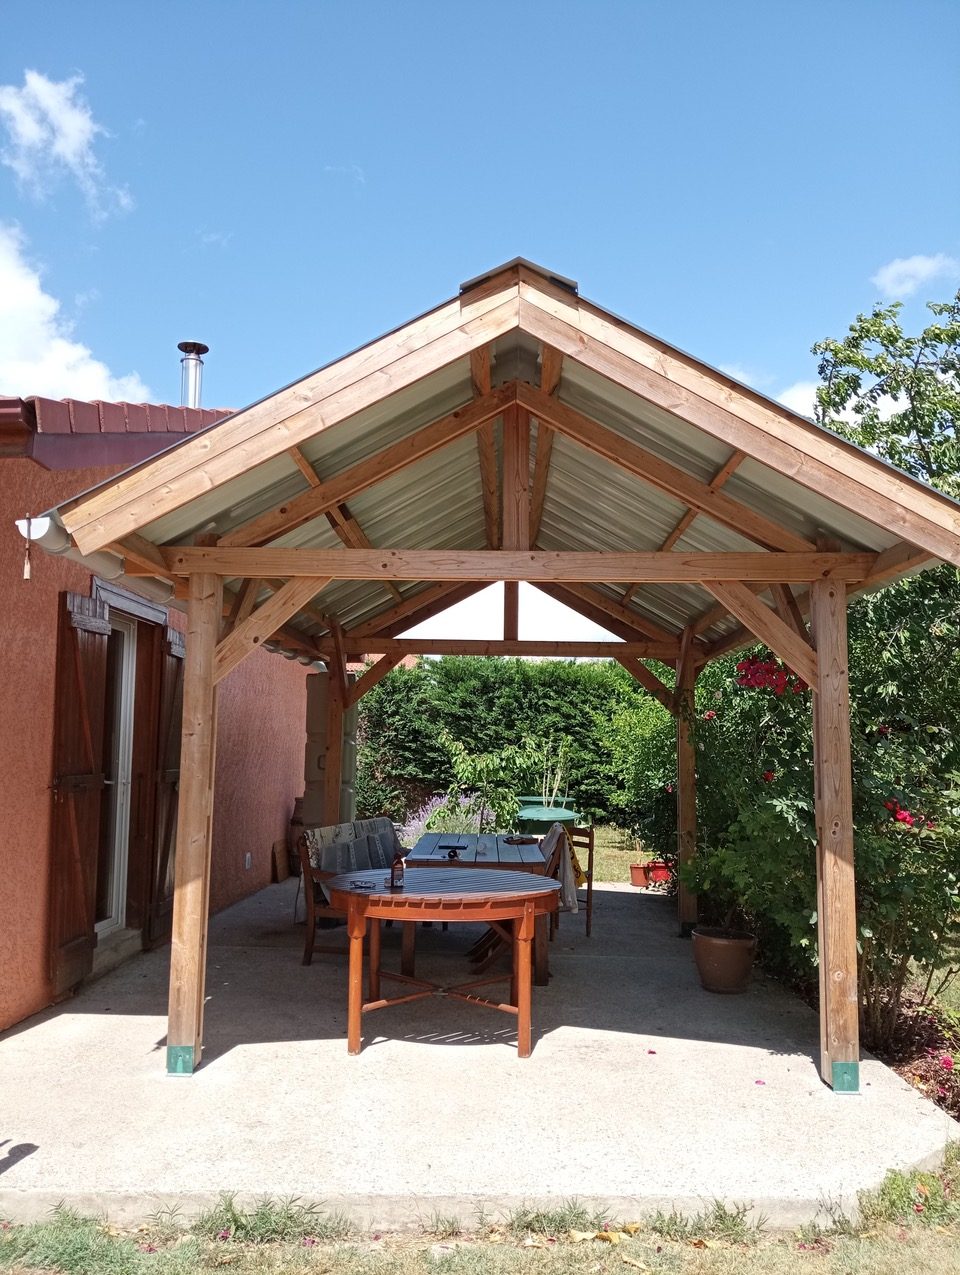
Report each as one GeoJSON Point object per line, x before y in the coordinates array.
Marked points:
{"type": "Point", "coordinates": [640, 874]}
{"type": "Point", "coordinates": [723, 951]}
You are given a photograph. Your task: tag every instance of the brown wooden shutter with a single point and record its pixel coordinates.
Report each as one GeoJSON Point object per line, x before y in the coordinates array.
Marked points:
{"type": "Point", "coordinates": [78, 780]}
{"type": "Point", "coordinates": [169, 722]}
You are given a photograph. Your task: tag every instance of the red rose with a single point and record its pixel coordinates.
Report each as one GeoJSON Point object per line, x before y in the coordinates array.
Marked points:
{"type": "Point", "coordinates": [769, 776]}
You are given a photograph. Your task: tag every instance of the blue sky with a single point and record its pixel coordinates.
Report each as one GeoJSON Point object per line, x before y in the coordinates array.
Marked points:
{"type": "Point", "coordinates": [285, 181]}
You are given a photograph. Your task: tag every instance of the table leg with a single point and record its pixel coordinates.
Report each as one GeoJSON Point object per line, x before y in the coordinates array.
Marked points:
{"type": "Point", "coordinates": [408, 948]}
{"type": "Point", "coordinates": [524, 943]}
{"type": "Point", "coordinates": [356, 929]}
{"type": "Point", "coordinates": [515, 957]}
{"type": "Point", "coordinates": [541, 951]}
{"type": "Point", "coordinates": [373, 959]}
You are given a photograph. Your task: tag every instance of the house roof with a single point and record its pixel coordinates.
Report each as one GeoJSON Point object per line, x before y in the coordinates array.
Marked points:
{"type": "Point", "coordinates": [72, 433]}
{"type": "Point", "coordinates": [412, 442]}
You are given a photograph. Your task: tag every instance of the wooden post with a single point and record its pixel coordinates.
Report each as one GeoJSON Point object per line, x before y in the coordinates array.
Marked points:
{"type": "Point", "coordinates": [686, 790]}
{"type": "Point", "coordinates": [333, 750]}
{"type": "Point", "coordinates": [511, 610]}
{"type": "Point", "coordinates": [191, 898]}
{"type": "Point", "coordinates": [833, 795]}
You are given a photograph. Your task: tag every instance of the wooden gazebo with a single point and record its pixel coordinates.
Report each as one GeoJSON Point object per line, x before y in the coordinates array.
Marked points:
{"type": "Point", "coordinates": [519, 433]}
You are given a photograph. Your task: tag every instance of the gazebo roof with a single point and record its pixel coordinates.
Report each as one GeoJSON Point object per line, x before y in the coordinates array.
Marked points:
{"type": "Point", "coordinates": [409, 442]}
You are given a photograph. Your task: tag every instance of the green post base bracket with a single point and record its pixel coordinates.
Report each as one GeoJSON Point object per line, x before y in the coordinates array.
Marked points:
{"type": "Point", "coordinates": [180, 1060]}
{"type": "Point", "coordinates": [845, 1077]}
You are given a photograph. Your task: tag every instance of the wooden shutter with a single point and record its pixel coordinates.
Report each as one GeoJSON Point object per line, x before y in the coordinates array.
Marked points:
{"type": "Point", "coordinates": [169, 722]}
{"type": "Point", "coordinates": [78, 781]}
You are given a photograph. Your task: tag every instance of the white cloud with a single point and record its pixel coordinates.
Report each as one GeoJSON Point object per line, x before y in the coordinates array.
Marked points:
{"type": "Point", "coordinates": [801, 397]}
{"type": "Point", "coordinates": [50, 131]}
{"type": "Point", "coordinates": [902, 277]}
{"type": "Point", "coordinates": [37, 352]}
{"type": "Point", "coordinates": [745, 375]}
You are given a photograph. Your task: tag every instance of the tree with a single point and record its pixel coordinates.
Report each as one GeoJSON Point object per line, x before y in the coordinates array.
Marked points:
{"type": "Point", "coordinates": [895, 394]}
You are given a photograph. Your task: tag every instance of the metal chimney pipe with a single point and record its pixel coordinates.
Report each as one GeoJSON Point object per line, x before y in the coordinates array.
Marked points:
{"type": "Point", "coordinates": [191, 372]}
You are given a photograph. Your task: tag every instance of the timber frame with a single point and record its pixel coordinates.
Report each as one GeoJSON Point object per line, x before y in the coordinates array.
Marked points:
{"type": "Point", "coordinates": [539, 439]}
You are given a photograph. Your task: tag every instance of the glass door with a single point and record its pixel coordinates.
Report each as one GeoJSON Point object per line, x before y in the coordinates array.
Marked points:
{"type": "Point", "coordinates": [117, 766]}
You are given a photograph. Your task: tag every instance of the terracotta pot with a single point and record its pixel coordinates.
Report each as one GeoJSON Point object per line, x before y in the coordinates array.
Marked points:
{"type": "Point", "coordinates": [639, 874]}
{"type": "Point", "coordinates": [659, 871]}
{"type": "Point", "coordinates": [724, 958]}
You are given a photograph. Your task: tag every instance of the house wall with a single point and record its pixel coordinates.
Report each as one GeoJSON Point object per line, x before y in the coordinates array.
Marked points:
{"type": "Point", "coordinates": [259, 763]}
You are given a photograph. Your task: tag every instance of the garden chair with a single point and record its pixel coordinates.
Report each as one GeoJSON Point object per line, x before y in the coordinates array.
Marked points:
{"type": "Point", "coordinates": [333, 860]}
{"type": "Point", "coordinates": [581, 843]}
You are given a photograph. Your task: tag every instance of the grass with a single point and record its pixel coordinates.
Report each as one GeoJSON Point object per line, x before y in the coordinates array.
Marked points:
{"type": "Point", "coordinates": [613, 852]}
{"type": "Point", "coordinates": [291, 1237]}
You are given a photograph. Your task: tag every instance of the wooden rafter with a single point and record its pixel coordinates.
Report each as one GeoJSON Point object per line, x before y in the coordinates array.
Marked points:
{"type": "Point", "coordinates": [617, 611]}
{"type": "Point", "coordinates": [261, 625]}
{"type": "Point", "coordinates": [661, 474]}
{"type": "Point", "coordinates": [243, 603]}
{"type": "Point", "coordinates": [339, 487]}
{"type": "Point", "coordinates": [626, 632]}
{"type": "Point", "coordinates": [729, 466]}
{"type": "Point", "coordinates": [455, 564]}
{"type": "Point", "coordinates": [291, 416]}
{"type": "Point", "coordinates": [793, 649]}
{"type": "Point", "coordinates": [771, 435]}
{"type": "Point", "coordinates": [416, 608]}
{"type": "Point", "coordinates": [787, 608]}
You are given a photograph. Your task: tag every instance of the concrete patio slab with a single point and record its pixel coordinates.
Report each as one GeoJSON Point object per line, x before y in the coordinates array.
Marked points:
{"type": "Point", "coordinates": [643, 1091]}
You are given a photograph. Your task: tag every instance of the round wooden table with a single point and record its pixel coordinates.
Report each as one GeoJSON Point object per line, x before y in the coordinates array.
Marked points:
{"type": "Point", "coordinates": [441, 894]}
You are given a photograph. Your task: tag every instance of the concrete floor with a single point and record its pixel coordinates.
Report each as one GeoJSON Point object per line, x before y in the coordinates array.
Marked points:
{"type": "Point", "coordinates": [643, 1091]}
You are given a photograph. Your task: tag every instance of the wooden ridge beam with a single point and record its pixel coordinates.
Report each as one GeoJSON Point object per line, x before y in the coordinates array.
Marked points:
{"type": "Point", "coordinates": [530, 565]}
{"type": "Point", "coordinates": [291, 416]}
{"type": "Point", "coordinates": [648, 680]}
{"type": "Point", "coordinates": [793, 649]}
{"type": "Point", "coordinates": [497, 646]}
{"type": "Point", "coordinates": [262, 624]}
{"type": "Point", "coordinates": [659, 473]}
{"type": "Point", "coordinates": [333, 491]}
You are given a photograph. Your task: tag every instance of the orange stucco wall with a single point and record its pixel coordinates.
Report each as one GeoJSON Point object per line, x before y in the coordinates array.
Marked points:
{"type": "Point", "coordinates": [259, 764]}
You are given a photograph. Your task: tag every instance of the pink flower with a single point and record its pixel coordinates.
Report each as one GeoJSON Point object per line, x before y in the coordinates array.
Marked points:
{"type": "Point", "coordinates": [918, 1208]}
{"type": "Point", "coordinates": [308, 1241]}
{"type": "Point", "coordinates": [946, 1062]}
{"type": "Point", "coordinates": [709, 715]}
{"type": "Point", "coordinates": [759, 1082]}
{"type": "Point", "coordinates": [904, 816]}
{"type": "Point", "coordinates": [883, 730]}
{"type": "Point", "coordinates": [769, 776]}
{"type": "Point", "coordinates": [223, 1235]}
{"type": "Point", "coordinates": [669, 787]}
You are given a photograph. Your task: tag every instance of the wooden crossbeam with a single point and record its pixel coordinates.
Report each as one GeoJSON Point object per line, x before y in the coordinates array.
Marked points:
{"type": "Point", "coordinates": [648, 680]}
{"type": "Point", "coordinates": [373, 469]}
{"type": "Point", "coordinates": [496, 646]}
{"type": "Point", "coordinates": [456, 564]}
{"type": "Point", "coordinates": [659, 473]}
{"type": "Point", "coordinates": [261, 625]}
{"type": "Point", "coordinates": [374, 674]}
{"type": "Point", "coordinates": [768, 627]}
